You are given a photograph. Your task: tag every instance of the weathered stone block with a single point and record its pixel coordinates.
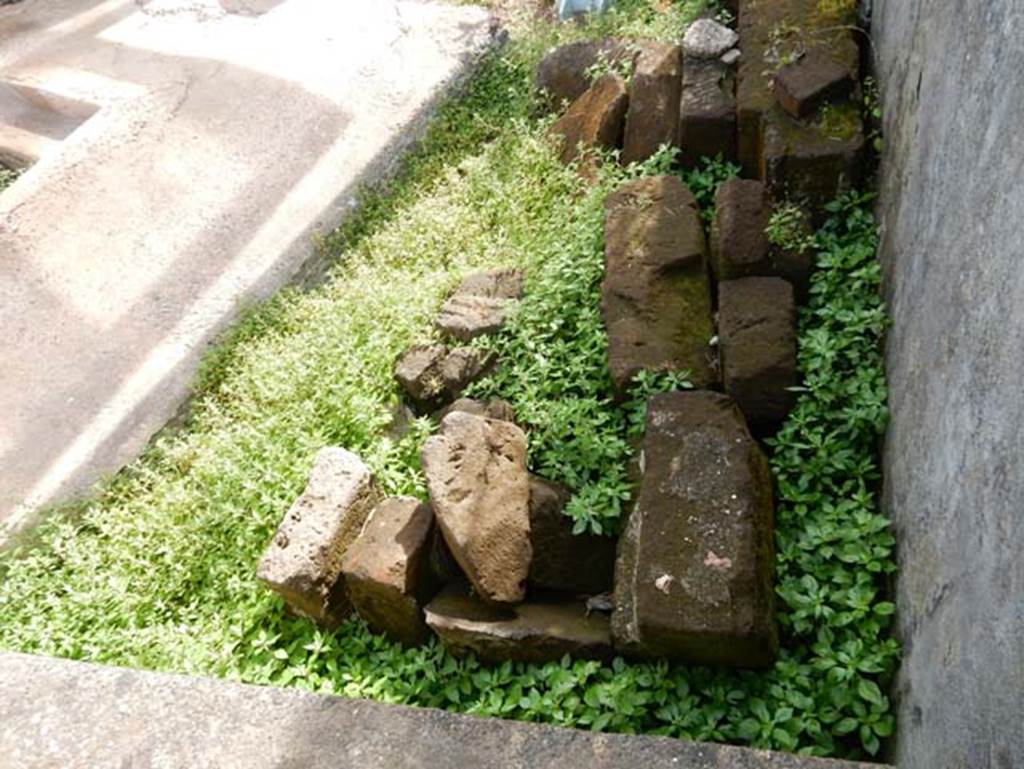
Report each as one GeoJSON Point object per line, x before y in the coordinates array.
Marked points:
{"type": "Point", "coordinates": [479, 488]}
{"type": "Point", "coordinates": [804, 86]}
{"type": "Point", "coordinates": [770, 34]}
{"type": "Point", "coordinates": [502, 283]}
{"type": "Point", "coordinates": [465, 316]}
{"type": "Point", "coordinates": [757, 344]}
{"type": "Point", "coordinates": [654, 93]}
{"type": "Point", "coordinates": [693, 580]}
{"type": "Point", "coordinates": [303, 561]}
{"type": "Point", "coordinates": [528, 632]}
{"type": "Point", "coordinates": [564, 71]}
{"type": "Point", "coordinates": [596, 119]}
{"type": "Point", "coordinates": [707, 39]}
{"type": "Point", "coordinates": [815, 162]}
{"type": "Point", "coordinates": [707, 112]}
{"type": "Point", "coordinates": [387, 569]}
{"type": "Point", "coordinates": [431, 374]}
{"type": "Point", "coordinates": [573, 563]}
{"type": "Point", "coordinates": [493, 408]}
{"type": "Point", "coordinates": [739, 244]}
{"type": "Point", "coordinates": [656, 297]}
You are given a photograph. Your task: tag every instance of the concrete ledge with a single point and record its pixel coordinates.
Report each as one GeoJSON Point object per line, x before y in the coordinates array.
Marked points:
{"type": "Point", "coordinates": [56, 713]}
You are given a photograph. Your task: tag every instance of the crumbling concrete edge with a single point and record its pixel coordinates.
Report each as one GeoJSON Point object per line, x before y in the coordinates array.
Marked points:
{"type": "Point", "coordinates": [58, 713]}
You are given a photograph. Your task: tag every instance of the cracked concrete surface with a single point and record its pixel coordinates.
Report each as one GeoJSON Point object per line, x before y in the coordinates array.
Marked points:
{"type": "Point", "coordinates": [227, 134]}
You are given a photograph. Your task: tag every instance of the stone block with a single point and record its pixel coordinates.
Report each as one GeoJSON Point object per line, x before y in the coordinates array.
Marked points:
{"type": "Point", "coordinates": [431, 374]}
{"type": "Point", "coordinates": [739, 243]}
{"type": "Point", "coordinates": [771, 33]}
{"type": "Point", "coordinates": [656, 296]}
{"type": "Point", "coordinates": [501, 283]}
{"type": "Point", "coordinates": [707, 39]}
{"type": "Point", "coordinates": [564, 71]}
{"type": "Point", "coordinates": [804, 86]}
{"type": "Point", "coordinates": [572, 563]}
{"type": "Point", "coordinates": [707, 112]}
{"type": "Point", "coordinates": [757, 344]}
{"type": "Point", "coordinates": [527, 632]}
{"type": "Point", "coordinates": [693, 580]}
{"type": "Point", "coordinates": [596, 119]}
{"type": "Point", "coordinates": [387, 569]}
{"type": "Point", "coordinates": [479, 488]}
{"type": "Point", "coordinates": [467, 316]}
{"type": "Point", "coordinates": [303, 561]}
{"type": "Point", "coordinates": [654, 92]}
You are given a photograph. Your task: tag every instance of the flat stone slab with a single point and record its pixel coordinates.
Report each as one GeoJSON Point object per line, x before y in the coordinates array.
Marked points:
{"type": "Point", "coordinates": [57, 714]}
{"type": "Point", "coordinates": [210, 147]}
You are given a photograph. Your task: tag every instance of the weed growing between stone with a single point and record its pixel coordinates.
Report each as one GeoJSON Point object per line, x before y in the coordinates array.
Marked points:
{"type": "Point", "coordinates": [158, 572]}
{"type": "Point", "coordinates": [7, 177]}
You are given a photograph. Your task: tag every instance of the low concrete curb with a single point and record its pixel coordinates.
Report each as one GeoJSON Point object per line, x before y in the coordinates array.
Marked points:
{"type": "Point", "coordinates": [57, 713]}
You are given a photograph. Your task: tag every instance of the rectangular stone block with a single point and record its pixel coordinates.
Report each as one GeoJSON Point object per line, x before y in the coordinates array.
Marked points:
{"type": "Point", "coordinates": [303, 561]}
{"type": "Point", "coordinates": [707, 112]}
{"type": "Point", "coordinates": [804, 86]}
{"type": "Point", "coordinates": [739, 243]}
{"type": "Point", "coordinates": [656, 296]}
{"type": "Point", "coordinates": [387, 569]}
{"type": "Point", "coordinates": [757, 345]}
{"type": "Point", "coordinates": [654, 92]}
{"type": "Point", "coordinates": [771, 35]}
{"type": "Point", "coordinates": [694, 577]}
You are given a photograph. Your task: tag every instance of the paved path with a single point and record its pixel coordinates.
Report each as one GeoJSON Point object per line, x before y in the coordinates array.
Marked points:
{"type": "Point", "coordinates": [56, 714]}
{"type": "Point", "coordinates": [187, 151]}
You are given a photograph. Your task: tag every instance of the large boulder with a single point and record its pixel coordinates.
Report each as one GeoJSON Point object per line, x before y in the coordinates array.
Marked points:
{"type": "Point", "coordinates": [654, 90]}
{"type": "Point", "coordinates": [303, 561]}
{"type": "Point", "coordinates": [564, 72]}
{"type": "Point", "coordinates": [656, 295]}
{"type": "Point", "coordinates": [528, 632]}
{"type": "Point", "coordinates": [387, 569]}
{"type": "Point", "coordinates": [479, 488]}
{"type": "Point", "coordinates": [757, 344]}
{"type": "Point", "coordinates": [595, 120]}
{"type": "Point", "coordinates": [571, 563]}
{"type": "Point", "coordinates": [707, 112]}
{"type": "Point", "coordinates": [693, 581]}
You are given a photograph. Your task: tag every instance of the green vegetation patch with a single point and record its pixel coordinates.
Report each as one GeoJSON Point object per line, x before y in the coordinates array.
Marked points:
{"type": "Point", "coordinates": [7, 177]}
{"type": "Point", "coordinates": [158, 571]}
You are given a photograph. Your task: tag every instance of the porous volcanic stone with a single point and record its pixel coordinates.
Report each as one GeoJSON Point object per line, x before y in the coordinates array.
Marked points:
{"type": "Point", "coordinates": [387, 569]}
{"type": "Point", "coordinates": [693, 580]}
{"type": "Point", "coordinates": [563, 72]}
{"type": "Point", "coordinates": [528, 632]}
{"type": "Point", "coordinates": [805, 28]}
{"type": "Point", "coordinates": [739, 245]}
{"type": "Point", "coordinates": [467, 316]}
{"type": "Point", "coordinates": [707, 39]}
{"type": "Point", "coordinates": [303, 561]}
{"type": "Point", "coordinates": [757, 344]}
{"type": "Point", "coordinates": [654, 92]}
{"type": "Point", "coordinates": [707, 112]}
{"type": "Point", "coordinates": [573, 563]}
{"type": "Point", "coordinates": [479, 488]}
{"type": "Point", "coordinates": [810, 162]}
{"type": "Point", "coordinates": [802, 87]}
{"type": "Point", "coordinates": [595, 119]}
{"type": "Point", "coordinates": [502, 283]}
{"type": "Point", "coordinates": [493, 408]}
{"type": "Point", "coordinates": [431, 373]}
{"type": "Point", "coordinates": [656, 298]}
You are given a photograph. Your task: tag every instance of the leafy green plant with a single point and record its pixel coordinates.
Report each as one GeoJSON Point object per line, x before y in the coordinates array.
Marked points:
{"type": "Point", "coordinates": [789, 228]}
{"type": "Point", "coordinates": [7, 177]}
{"type": "Point", "coordinates": [704, 181]}
{"type": "Point", "coordinates": [158, 571]}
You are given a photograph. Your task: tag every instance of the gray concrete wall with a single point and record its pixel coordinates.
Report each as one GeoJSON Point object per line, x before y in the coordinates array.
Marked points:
{"type": "Point", "coordinates": [952, 210]}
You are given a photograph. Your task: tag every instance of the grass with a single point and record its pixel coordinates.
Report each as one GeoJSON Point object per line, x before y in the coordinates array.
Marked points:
{"type": "Point", "coordinates": [7, 177]}
{"type": "Point", "coordinates": [158, 571]}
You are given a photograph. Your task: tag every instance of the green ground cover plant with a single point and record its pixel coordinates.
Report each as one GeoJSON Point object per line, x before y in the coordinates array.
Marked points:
{"type": "Point", "coordinates": [158, 571]}
{"type": "Point", "coordinates": [7, 177]}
